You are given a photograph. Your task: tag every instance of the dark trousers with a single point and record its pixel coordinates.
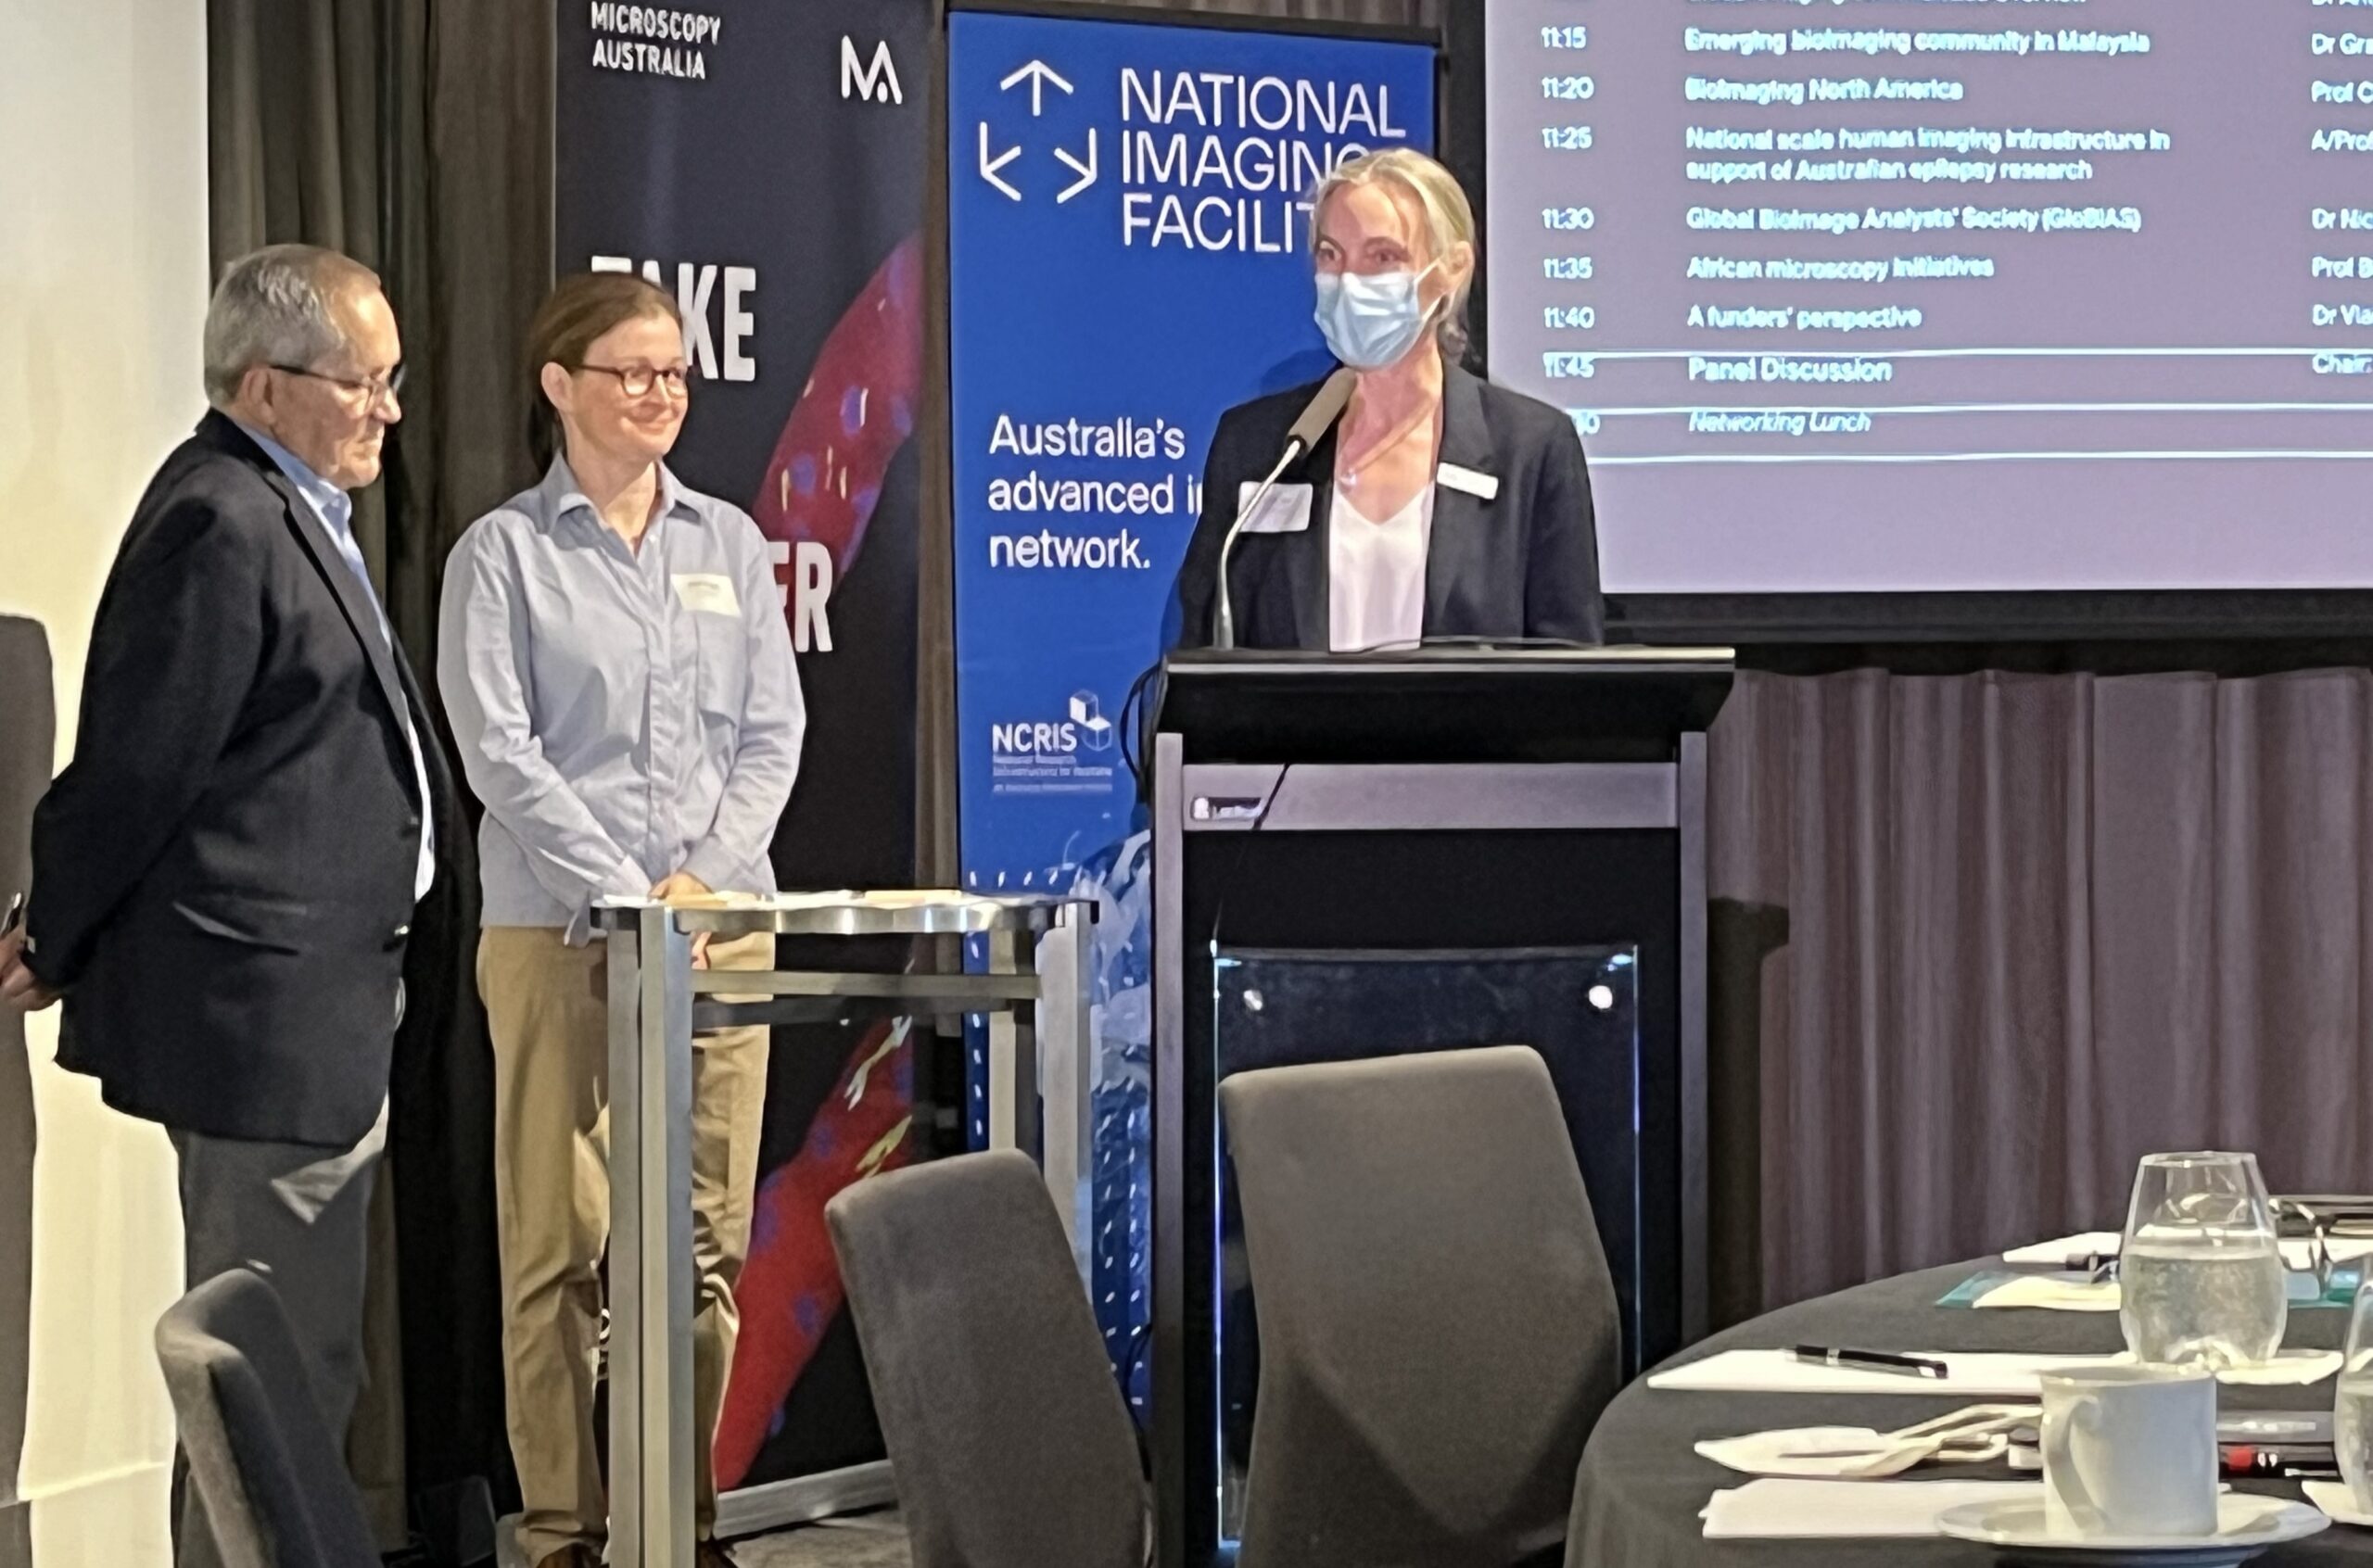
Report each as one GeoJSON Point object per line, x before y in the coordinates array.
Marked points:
{"type": "Point", "coordinates": [298, 1214]}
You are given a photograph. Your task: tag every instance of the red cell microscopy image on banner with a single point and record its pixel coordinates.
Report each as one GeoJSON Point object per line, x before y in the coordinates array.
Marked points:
{"type": "Point", "coordinates": [791, 1288]}
{"type": "Point", "coordinates": [856, 411]}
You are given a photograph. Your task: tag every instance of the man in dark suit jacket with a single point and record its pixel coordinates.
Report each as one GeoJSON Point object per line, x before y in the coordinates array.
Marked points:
{"type": "Point", "coordinates": [224, 879]}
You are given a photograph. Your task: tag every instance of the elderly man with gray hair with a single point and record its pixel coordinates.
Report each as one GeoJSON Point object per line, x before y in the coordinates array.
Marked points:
{"type": "Point", "coordinates": [225, 875]}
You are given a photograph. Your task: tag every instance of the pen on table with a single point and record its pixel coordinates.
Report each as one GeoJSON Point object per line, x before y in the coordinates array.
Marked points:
{"type": "Point", "coordinates": [1871, 1361]}
{"type": "Point", "coordinates": [10, 921]}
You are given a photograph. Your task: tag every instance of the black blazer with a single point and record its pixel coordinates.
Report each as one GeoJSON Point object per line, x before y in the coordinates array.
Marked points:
{"type": "Point", "coordinates": [1524, 563]}
{"type": "Point", "coordinates": [223, 879]}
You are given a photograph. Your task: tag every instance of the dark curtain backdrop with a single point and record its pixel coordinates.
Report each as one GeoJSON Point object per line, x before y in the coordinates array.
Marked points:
{"type": "Point", "coordinates": [1984, 939]}
{"type": "Point", "coordinates": [415, 135]}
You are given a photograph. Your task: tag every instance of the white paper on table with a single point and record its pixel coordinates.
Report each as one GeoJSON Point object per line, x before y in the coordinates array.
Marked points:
{"type": "Point", "coordinates": [2298, 1254]}
{"type": "Point", "coordinates": [2053, 1294]}
{"type": "Point", "coordinates": [2103, 1243]}
{"type": "Point", "coordinates": [1985, 1374]}
{"type": "Point", "coordinates": [2338, 1503]}
{"type": "Point", "coordinates": [1788, 1509]}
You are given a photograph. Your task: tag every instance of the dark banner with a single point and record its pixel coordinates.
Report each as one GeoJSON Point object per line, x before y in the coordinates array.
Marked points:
{"type": "Point", "coordinates": [766, 163]}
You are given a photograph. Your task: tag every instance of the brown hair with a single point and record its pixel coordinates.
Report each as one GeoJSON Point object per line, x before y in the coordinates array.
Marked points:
{"type": "Point", "coordinates": [581, 309]}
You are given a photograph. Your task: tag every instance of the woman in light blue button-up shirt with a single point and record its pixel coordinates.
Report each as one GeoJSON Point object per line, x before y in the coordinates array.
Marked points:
{"type": "Point", "coordinates": [613, 657]}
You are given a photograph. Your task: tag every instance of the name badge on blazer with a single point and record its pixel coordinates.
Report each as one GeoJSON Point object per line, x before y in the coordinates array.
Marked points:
{"type": "Point", "coordinates": [708, 593]}
{"type": "Point", "coordinates": [1483, 486]}
{"type": "Point", "coordinates": [1285, 510]}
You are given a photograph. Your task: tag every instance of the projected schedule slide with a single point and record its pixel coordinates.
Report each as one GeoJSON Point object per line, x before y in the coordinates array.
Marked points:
{"type": "Point", "coordinates": [2105, 245]}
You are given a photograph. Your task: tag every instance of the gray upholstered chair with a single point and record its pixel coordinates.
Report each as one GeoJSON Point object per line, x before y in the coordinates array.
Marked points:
{"type": "Point", "coordinates": [273, 1485]}
{"type": "Point", "coordinates": [1006, 1429]}
{"type": "Point", "coordinates": [1438, 1326]}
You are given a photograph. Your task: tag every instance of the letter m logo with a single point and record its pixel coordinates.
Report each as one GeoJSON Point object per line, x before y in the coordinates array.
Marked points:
{"type": "Point", "coordinates": [876, 81]}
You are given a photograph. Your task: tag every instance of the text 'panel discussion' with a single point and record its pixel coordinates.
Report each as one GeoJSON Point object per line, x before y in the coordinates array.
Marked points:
{"type": "Point", "coordinates": [1150, 784]}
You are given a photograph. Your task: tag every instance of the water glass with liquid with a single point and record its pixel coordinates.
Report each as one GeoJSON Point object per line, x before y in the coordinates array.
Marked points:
{"type": "Point", "coordinates": [2353, 1406]}
{"type": "Point", "coordinates": [2200, 1270]}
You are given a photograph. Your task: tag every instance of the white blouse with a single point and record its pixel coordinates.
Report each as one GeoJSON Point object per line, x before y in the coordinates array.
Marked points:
{"type": "Point", "coordinates": [1377, 573]}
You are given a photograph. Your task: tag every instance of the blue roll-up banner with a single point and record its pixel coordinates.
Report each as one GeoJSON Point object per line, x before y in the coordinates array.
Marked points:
{"type": "Point", "coordinates": [1129, 256]}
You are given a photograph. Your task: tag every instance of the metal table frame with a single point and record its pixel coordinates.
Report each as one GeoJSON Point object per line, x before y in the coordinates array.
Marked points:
{"type": "Point", "coordinates": [1036, 995]}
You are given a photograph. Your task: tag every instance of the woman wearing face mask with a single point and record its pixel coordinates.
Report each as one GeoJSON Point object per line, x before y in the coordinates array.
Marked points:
{"type": "Point", "coordinates": [615, 660]}
{"type": "Point", "coordinates": [1439, 505]}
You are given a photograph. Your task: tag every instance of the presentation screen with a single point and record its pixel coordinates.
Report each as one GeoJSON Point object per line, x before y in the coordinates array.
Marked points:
{"type": "Point", "coordinates": [1940, 295]}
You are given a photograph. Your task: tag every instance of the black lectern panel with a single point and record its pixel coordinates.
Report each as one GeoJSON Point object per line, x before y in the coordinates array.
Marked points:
{"type": "Point", "coordinates": [1435, 822]}
{"type": "Point", "coordinates": [1614, 704]}
{"type": "Point", "coordinates": [1576, 1006]}
{"type": "Point", "coordinates": [1375, 895]}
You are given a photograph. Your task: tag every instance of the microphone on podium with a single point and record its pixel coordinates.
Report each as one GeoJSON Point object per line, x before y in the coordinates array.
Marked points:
{"type": "Point", "coordinates": [1313, 424]}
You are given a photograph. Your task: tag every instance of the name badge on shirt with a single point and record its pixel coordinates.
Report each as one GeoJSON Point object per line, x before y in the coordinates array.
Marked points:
{"type": "Point", "coordinates": [709, 593]}
{"type": "Point", "coordinates": [1285, 510]}
{"type": "Point", "coordinates": [1483, 486]}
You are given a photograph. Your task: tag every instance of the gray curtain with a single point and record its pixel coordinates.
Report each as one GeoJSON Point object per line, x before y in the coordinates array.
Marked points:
{"type": "Point", "coordinates": [295, 99]}
{"type": "Point", "coordinates": [1982, 940]}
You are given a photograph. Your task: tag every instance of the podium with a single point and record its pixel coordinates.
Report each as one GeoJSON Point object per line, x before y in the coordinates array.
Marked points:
{"type": "Point", "coordinates": [1367, 855]}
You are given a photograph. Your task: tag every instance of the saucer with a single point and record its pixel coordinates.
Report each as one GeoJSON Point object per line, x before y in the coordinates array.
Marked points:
{"type": "Point", "coordinates": [2246, 1526]}
{"type": "Point", "coordinates": [2334, 1498]}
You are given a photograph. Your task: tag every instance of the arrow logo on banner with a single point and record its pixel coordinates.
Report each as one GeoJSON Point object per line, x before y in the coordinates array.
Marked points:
{"type": "Point", "coordinates": [1037, 73]}
{"type": "Point", "coordinates": [1087, 172]}
{"type": "Point", "coordinates": [989, 166]}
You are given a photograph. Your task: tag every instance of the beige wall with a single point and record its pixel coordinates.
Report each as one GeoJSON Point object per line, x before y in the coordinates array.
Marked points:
{"type": "Point", "coordinates": [102, 292]}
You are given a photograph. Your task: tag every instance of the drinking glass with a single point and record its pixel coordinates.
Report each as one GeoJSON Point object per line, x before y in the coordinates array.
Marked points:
{"type": "Point", "coordinates": [2199, 1271]}
{"type": "Point", "coordinates": [2353, 1406]}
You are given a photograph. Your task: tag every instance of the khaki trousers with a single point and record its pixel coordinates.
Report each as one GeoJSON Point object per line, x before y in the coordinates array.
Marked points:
{"type": "Point", "coordinates": [551, 1143]}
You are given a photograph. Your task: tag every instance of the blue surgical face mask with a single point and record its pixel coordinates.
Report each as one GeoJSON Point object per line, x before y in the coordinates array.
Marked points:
{"type": "Point", "coordinates": [1371, 319]}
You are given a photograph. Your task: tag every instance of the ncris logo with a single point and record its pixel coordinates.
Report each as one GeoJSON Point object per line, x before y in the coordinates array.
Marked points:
{"type": "Point", "coordinates": [1084, 727]}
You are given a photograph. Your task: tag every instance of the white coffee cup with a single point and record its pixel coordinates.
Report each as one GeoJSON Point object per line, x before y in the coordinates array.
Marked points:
{"type": "Point", "coordinates": [2129, 1451]}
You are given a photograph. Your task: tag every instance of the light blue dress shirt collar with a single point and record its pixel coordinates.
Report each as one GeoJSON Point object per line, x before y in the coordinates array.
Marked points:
{"type": "Point", "coordinates": [332, 505]}
{"type": "Point", "coordinates": [563, 496]}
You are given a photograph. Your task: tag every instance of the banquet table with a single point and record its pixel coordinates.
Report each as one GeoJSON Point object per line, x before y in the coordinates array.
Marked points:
{"type": "Point", "coordinates": [1641, 1486]}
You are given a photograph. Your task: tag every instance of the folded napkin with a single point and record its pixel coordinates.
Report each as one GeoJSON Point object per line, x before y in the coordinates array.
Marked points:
{"type": "Point", "coordinates": [1783, 1509]}
{"type": "Point", "coordinates": [2289, 1369]}
{"type": "Point", "coordinates": [1859, 1453]}
{"type": "Point", "coordinates": [2338, 1503]}
{"type": "Point", "coordinates": [1980, 1375]}
{"type": "Point", "coordinates": [1826, 1452]}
